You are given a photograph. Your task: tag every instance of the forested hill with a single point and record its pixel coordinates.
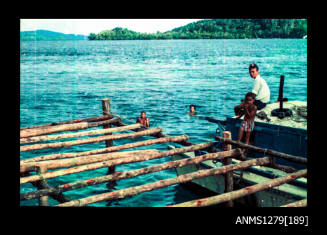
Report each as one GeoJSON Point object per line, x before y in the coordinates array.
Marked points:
{"type": "Point", "coordinates": [217, 29]}
{"type": "Point", "coordinates": [46, 35]}
{"type": "Point", "coordinates": [246, 28]}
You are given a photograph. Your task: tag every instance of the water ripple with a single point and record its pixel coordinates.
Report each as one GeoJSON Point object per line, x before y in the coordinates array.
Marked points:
{"type": "Point", "coordinates": [61, 81]}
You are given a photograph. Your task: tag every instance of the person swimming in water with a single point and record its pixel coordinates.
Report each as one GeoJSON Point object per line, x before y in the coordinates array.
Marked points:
{"type": "Point", "coordinates": [143, 119]}
{"type": "Point", "coordinates": [192, 110]}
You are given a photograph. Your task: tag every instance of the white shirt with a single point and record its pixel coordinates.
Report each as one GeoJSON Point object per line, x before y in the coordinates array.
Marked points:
{"type": "Point", "coordinates": [261, 89]}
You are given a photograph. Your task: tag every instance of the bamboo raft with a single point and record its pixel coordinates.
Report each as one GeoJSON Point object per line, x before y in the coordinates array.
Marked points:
{"type": "Point", "coordinates": [37, 170]}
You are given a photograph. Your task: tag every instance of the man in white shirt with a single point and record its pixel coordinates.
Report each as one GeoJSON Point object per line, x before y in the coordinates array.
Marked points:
{"type": "Point", "coordinates": [260, 89]}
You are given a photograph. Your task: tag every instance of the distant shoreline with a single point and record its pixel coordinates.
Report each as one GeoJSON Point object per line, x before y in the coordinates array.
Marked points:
{"type": "Point", "coordinates": [203, 29]}
{"type": "Point", "coordinates": [216, 29]}
{"type": "Point", "coordinates": [189, 39]}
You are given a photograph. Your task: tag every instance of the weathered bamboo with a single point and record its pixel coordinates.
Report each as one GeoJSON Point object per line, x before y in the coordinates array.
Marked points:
{"type": "Point", "coordinates": [228, 161]}
{"type": "Point", "coordinates": [81, 168]}
{"type": "Point", "coordinates": [72, 162]}
{"type": "Point", "coordinates": [106, 111]}
{"type": "Point", "coordinates": [88, 140]}
{"type": "Point", "coordinates": [44, 200]}
{"type": "Point", "coordinates": [90, 119]}
{"type": "Point", "coordinates": [115, 162]}
{"type": "Point", "coordinates": [162, 135]}
{"type": "Point", "coordinates": [157, 135]}
{"type": "Point", "coordinates": [301, 203]}
{"type": "Point", "coordinates": [105, 122]}
{"type": "Point", "coordinates": [287, 169]}
{"type": "Point", "coordinates": [164, 183]}
{"type": "Point", "coordinates": [241, 192]}
{"type": "Point", "coordinates": [285, 156]}
{"type": "Point", "coordinates": [41, 185]}
{"type": "Point", "coordinates": [39, 193]}
{"type": "Point", "coordinates": [61, 128]}
{"type": "Point", "coordinates": [123, 175]}
{"type": "Point", "coordinates": [77, 134]}
{"type": "Point", "coordinates": [109, 143]}
{"type": "Point", "coordinates": [53, 129]}
{"type": "Point", "coordinates": [106, 150]}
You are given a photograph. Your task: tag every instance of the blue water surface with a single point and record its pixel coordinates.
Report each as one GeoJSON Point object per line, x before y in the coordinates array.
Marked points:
{"type": "Point", "coordinates": [65, 80]}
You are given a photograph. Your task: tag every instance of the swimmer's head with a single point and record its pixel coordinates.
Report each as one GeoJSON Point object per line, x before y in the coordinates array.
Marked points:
{"type": "Point", "coordinates": [192, 108]}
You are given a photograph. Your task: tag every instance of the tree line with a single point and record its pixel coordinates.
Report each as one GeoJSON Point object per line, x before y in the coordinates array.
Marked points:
{"type": "Point", "coordinates": [216, 29]}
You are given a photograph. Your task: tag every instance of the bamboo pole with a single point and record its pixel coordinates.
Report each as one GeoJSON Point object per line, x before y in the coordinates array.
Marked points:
{"type": "Point", "coordinates": [81, 168]}
{"type": "Point", "coordinates": [60, 128]}
{"type": "Point", "coordinates": [124, 175]}
{"type": "Point", "coordinates": [287, 169]}
{"type": "Point", "coordinates": [77, 134]}
{"type": "Point", "coordinates": [109, 143]}
{"type": "Point", "coordinates": [285, 156]}
{"type": "Point", "coordinates": [301, 203]}
{"type": "Point", "coordinates": [228, 161]}
{"type": "Point", "coordinates": [161, 135]}
{"type": "Point", "coordinates": [53, 129]}
{"type": "Point", "coordinates": [88, 140]}
{"type": "Point", "coordinates": [106, 150]}
{"type": "Point", "coordinates": [101, 123]}
{"type": "Point", "coordinates": [90, 119]}
{"type": "Point", "coordinates": [157, 135]}
{"type": "Point", "coordinates": [44, 200]}
{"type": "Point", "coordinates": [241, 192]}
{"type": "Point", "coordinates": [164, 183]}
{"type": "Point", "coordinates": [55, 194]}
{"type": "Point", "coordinates": [115, 162]}
{"type": "Point", "coordinates": [72, 162]}
{"type": "Point", "coordinates": [106, 111]}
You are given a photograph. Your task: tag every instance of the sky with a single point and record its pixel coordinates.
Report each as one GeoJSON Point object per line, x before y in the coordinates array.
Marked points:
{"type": "Point", "coordinates": [87, 26]}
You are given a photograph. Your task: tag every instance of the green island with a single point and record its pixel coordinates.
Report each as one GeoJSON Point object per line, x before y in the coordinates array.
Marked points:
{"type": "Point", "coordinates": [46, 35]}
{"type": "Point", "coordinates": [202, 29]}
{"type": "Point", "coordinates": [216, 29]}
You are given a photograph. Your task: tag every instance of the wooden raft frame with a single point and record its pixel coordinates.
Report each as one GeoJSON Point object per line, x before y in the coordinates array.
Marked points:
{"type": "Point", "coordinates": [70, 163]}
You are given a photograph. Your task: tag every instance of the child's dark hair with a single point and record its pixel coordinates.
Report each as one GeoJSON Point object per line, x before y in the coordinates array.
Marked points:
{"type": "Point", "coordinates": [252, 66]}
{"type": "Point", "coordinates": [192, 106]}
{"type": "Point", "coordinates": [250, 94]}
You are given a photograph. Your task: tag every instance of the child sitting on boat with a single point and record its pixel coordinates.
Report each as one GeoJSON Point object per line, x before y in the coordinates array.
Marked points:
{"type": "Point", "coordinates": [248, 109]}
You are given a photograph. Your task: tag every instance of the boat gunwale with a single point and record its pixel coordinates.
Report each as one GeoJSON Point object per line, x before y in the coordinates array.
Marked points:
{"type": "Point", "coordinates": [300, 182]}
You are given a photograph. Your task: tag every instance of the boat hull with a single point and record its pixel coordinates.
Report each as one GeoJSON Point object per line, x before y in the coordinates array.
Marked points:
{"type": "Point", "coordinates": [283, 139]}
{"type": "Point", "coordinates": [273, 197]}
{"type": "Point", "coordinates": [286, 135]}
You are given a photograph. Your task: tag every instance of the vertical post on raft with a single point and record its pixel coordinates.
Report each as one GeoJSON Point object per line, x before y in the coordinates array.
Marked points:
{"type": "Point", "coordinates": [227, 161]}
{"type": "Point", "coordinates": [44, 200]}
{"type": "Point", "coordinates": [280, 94]}
{"type": "Point", "coordinates": [106, 111]}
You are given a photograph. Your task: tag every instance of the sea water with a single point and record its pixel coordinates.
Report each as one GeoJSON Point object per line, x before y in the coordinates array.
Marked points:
{"type": "Point", "coordinates": [66, 80]}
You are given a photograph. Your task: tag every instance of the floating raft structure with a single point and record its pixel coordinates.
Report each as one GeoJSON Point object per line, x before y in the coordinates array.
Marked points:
{"type": "Point", "coordinates": [36, 170]}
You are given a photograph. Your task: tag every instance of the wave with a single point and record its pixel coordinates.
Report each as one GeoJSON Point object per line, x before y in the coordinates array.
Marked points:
{"type": "Point", "coordinates": [87, 95]}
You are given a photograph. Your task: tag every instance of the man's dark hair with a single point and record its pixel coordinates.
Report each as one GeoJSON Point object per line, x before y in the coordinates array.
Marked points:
{"type": "Point", "coordinates": [252, 66]}
{"type": "Point", "coordinates": [192, 105]}
{"type": "Point", "coordinates": [250, 94]}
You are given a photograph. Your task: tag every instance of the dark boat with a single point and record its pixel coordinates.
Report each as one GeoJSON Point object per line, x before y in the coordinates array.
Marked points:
{"type": "Point", "coordinates": [282, 126]}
